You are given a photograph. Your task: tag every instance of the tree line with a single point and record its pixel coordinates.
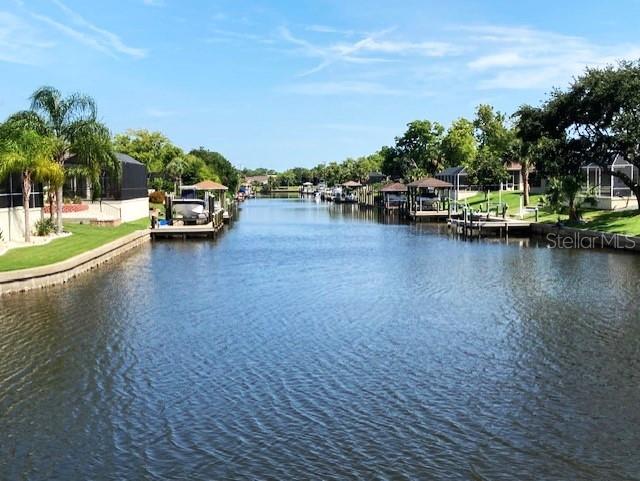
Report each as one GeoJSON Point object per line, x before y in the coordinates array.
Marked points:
{"type": "Point", "coordinates": [593, 120]}
{"type": "Point", "coordinates": [38, 144]}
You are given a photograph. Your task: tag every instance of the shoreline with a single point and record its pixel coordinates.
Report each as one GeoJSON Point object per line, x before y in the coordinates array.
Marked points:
{"type": "Point", "coordinates": [53, 274]}
{"type": "Point", "coordinates": [576, 238]}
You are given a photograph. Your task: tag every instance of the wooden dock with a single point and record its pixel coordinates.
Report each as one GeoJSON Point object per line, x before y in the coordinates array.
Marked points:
{"type": "Point", "coordinates": [429, 214]}
{"type": "Point", "coordinates": [477, 226]}
{"type": "Point", "coordinates": [208, 230]}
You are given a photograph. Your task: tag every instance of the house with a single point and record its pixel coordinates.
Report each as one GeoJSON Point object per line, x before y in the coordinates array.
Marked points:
{"type": "Point", "coordinates": [376, 178]}
{"type": "Point", "coordinates": [11, 210]}
{"type": "Point", "coordinates": [394, 195]}
{"type": "Point", "coordinates": [260, 180]}
{"type": "Point", "coordinates": [462, 188]}
{"type": "Point", "coordinates": [611, 193]}
{"type": "Point", "coordinates": [121, 199]}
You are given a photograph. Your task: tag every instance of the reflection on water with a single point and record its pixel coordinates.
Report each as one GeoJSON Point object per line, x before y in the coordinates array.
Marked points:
{"type": "Point", "coordinates": [319, 341]}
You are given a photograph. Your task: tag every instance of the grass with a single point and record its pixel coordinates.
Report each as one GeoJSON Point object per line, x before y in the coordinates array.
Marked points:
{"type": "Point", "coordinates": [617, 222]}
{"type": "Point", "coordinates": [512, 199]}
{"type": "Point", "coordinates": [84, 238]}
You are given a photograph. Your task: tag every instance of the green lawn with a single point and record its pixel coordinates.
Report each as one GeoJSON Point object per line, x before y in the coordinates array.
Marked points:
{"type": "Point", "coordinates": [512, 199]}
{"type": "Point", "coordinates": [85, 237]}
{"type": "Point", "coordinates": [618, 222]}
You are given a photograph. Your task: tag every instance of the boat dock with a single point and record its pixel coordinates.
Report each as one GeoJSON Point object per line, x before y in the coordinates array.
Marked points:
{"type": "Point", "coordinates": [477, 226]}
{"type": "Point", "coordinates": [208, 230]}
{"type": "Point", "coordinates": [429, 215]}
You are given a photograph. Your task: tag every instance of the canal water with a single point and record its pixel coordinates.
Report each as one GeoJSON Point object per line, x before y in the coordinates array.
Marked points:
{"type": "Point", "coordinates": [316, 342]}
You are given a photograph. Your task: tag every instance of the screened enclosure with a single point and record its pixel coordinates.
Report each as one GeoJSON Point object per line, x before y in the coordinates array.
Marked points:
{"type": "Point", "coordinates": [130, 184]}
{"type": "Point", "coordinates": [11, 193]}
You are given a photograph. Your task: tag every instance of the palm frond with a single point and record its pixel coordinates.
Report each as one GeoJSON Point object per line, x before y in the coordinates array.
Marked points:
{"type": "Point", "coordinates": [47, 102]}
{"type": "Point", "coordinates": [28, 120]}
{"type": "Point", "coordinates": [79, 107]}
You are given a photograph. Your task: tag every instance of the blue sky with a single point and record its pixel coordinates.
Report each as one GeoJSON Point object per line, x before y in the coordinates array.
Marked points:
{"type": "Point", "coordinates": [284, 83]}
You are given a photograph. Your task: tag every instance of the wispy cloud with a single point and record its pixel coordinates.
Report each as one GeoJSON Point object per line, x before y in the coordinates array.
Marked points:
{"type": "Point", "coordinates": [161, 113]}
{"type": "Point", "coordinates": [89, 34]}
{"type": "Point", "coordinates": [19, 42]}
{"type": "Point", "coordinates": [341, 88]}
{"type": "Point", "coordinates": [221, 35]}
{"type": "Point", "coordinates": [372, 48]}
{"type": "Point", "coordinates": [154, 3]}
{"type": "Point", "coordinates": [526, 58]}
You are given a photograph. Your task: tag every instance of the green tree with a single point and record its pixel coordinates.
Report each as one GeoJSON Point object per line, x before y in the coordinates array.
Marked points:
{"type": "Point", "coordinates": [420, 147]}
{"type": "Point", "coordinates": [601, 109]}
{"type": "Point", "coordinates": [495, 143]}
{"type": "Point", "coordinates": [72, 122]}
{"type": "Point", "coordinates": [30, 154]}
{"type": "Point", "coordinates": [153, 149]}
{"type": "Point", "coordinates": [226, 172]}
{"type": "Point", "coordinates": [529, 131]}
{"type": "Point", "coordinates": [459, 145]}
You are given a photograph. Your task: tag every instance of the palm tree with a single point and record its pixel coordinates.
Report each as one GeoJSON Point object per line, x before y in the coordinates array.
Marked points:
{"type": "Point", "coordinates": [176, 168]}
{"type": "Point", "coordinates": [30, 154]}
{"type": "Point", "coordinates": [72, 122]}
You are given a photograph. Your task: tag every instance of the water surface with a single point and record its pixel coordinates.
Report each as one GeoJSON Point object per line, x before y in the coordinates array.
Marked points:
{"type": "Point", "coordinates": [317, 342]}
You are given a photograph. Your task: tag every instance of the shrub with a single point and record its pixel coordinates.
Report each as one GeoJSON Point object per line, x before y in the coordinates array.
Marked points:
{"type": "Point", "coordinates": [45, 226]}
{"type": "Point", "coordinates": [157, 197]}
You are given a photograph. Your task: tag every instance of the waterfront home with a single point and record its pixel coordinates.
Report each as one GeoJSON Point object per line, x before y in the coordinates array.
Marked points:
{"type": "Point", "coordinates": [122, 198]}
{"type": "Point", "coordinates": [376, 178]}
{"type": "Point", "coordinates": [611, 193]}
{"type": "Point", "coordinates": [428, 196]}
{"type": "Point", "coordinates": [11, 210]}
{"type": "Point", "coordinates": [394, 196]}
{"type": "Point", "coordinates": [463, 188]}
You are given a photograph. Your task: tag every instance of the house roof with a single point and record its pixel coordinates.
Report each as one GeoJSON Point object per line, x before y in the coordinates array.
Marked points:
{"type": "Point", "coordinates": [122, 158]}
{"type": "Point", "coordinates": [127, 159]}
{"type": "Point", "coordinates": [210, 185]}
{"type": "Point", "coordinates": [514, 166]}
{"type": "Point", "coordinates": [430, 183]}
{"type": "Point", "coordinates": [351, 183]}
{"type": "Point", "coordinates": [451, 171]}
{"type": "Point", "coordinates": [394, 187]}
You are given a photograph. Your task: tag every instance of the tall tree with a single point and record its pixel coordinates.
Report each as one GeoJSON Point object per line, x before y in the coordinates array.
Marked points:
{"type": "Point", "coordinates": [420, 147]}
{"type": "Point", "coordinates": [153, 149]}
{"type": "Point", "coordinates": [602, 110]}
{"type": "Point", "coordinates": [495, 141]}
{"type": "Point", "coordinates": [228, 174]}
{"type": "Point", "coordinates": [529, 131]}
{"type": "Point", "coordinates": [30, 154]}
{"type": "Point", "coordinates": [459, 145]}
{"type": "Point", "coordinates": [72, 122]}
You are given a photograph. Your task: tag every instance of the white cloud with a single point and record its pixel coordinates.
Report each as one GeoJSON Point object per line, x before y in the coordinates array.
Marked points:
{"type": "Point", "coordinates": [373, 48]}
{"type": "Point", "coordinates": [154, 3]}
{"type": "Point", "coordinates": [89, 34]}
{"type": "Point", "coordinates": [19, 42]}
{"type": "Point", "coordinates": [526, 58]}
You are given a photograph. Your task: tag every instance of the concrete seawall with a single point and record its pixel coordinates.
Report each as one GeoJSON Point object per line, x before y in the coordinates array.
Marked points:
{"type": "Point", "coordinates": [61, 272]}
{"type": "Point", "coordinates": [570, 237]}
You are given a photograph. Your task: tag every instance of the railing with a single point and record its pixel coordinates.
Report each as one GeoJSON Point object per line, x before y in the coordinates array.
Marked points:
{"type": "Point", "coordinates": [110, 210]}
